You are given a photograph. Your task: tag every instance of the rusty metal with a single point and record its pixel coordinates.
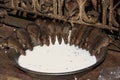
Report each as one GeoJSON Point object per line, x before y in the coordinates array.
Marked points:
{"type": "Point", "coordinates": [65, 11]}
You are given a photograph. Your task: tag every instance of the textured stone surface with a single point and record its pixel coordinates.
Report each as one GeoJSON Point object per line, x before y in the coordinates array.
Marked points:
{"type": "Point", "coordinates": [6, 77]}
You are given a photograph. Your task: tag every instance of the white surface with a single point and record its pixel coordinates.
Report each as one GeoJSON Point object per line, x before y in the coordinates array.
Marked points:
{"type": "Point", "coordinates": [56, 59]}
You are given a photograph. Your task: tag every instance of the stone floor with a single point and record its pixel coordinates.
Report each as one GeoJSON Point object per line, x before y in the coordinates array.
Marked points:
{"type": "Point", "coordinates": [8, 71]}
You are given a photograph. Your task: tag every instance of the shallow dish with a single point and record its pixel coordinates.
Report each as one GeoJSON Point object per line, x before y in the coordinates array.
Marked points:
{"type": "Point", "coordinates": [59, 76]}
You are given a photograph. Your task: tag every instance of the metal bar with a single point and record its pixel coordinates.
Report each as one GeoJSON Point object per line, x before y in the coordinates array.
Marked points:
{"type": "Point", "coordinates": [62, 18]}
{"type": "Point", "coordinates": [16, 22]}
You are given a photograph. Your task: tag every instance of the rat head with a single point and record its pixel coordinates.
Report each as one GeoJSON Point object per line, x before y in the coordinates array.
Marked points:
{"type": "Point", "coordinates": [3, 13]}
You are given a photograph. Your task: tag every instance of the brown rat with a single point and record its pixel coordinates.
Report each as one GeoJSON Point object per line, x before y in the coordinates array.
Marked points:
{"type": "Point", "coordinates": [24, 38]}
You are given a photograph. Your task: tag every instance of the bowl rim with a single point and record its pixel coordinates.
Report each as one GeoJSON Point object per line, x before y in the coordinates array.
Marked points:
{"type": "Point", "coordinates": [103, 51]}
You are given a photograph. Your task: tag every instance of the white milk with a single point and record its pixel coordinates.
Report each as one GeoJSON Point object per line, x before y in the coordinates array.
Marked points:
{"type": "Point", "coordinates": [56, 59]}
